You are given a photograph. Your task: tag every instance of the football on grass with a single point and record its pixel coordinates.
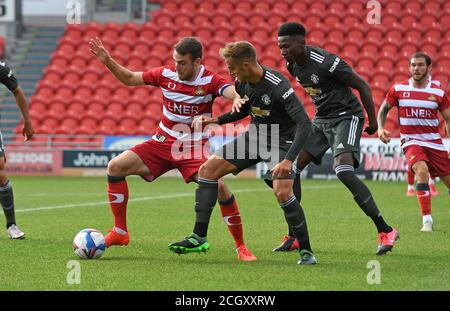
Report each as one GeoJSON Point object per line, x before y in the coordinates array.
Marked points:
{"type": "Point", "coordinates": [89, 244]}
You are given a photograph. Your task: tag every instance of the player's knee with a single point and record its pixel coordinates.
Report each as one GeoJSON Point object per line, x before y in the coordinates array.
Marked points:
{"type": "Point", "coordinates": [422, 173]}
{"type": "Point", "coordinates": [207, 171]}
{"type": "Point", "coordinates": [283, 193]}
{"type": "Point", "coordinates": [115, 168]}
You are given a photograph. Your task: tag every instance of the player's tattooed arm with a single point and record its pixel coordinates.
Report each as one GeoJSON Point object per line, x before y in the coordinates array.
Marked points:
{"type": "Point", "coordinates": [383, 134]}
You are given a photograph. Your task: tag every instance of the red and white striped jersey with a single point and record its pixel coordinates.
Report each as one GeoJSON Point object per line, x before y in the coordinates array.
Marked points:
{"type": "Point", "coordinates": [184, 100]}
{"type": "Point", "coordinates": [418, 113]}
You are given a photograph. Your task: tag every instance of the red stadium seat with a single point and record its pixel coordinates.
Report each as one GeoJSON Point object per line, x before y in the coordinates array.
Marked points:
{"type": "Point", "coordinates": [201, 18]}
{"type": "Point", "coordinates": [147, 33]}
{"type": "Point", "coordinates": [369, 49]}
{"type": "Point", "coordinates": [183, 18]}
{"type": "Point", "coordinates": [131, 30]}
{"type": "Point", "coordinates": [427, 19]}
{"type": "Point", "coordinates": [412, 35]}
{"type": "Point", "coordinates": [389, 19]}
{"type": "Point", "coordinates": [256, 19]}
{"type": "Point", "coordinates": [350, 50]}
{"type": "Point", "coordinates": [393, 35]}
{"type": "Point", "coordinates": [226, 6]}
{"type": "Point", "coordinates": [244, 5]}
{"type": "Point", "coordinates": [336, 36]}
{"type": "Point", "coordinates": [318, 34]}
{"type": "Point", "coordinates": [350, 19]}
{"type": "Point", "coordinates": [317, 7]}
{"type": "Point", "coordinates": [188, 5]}
{"type": "Point", "coordinates": [74, 31]}
{"type": "Point", "coordinates": [298, 7]}
{"type": "Point", "coordinates": [337, 7]}
{"type": "Point", "coordinates": [355, 35]}
{"type": "Point", "coordinates": [112, 31]}
{"type": "Point", "coordinates": [393, 6]}
{"type": "Point", "coordinates": [115, 110]}
{"type": "Point", "coordinates": [389, 49]}
{"type": "Point", "coordinates": [332, 46]}
{"type": "Point", "coordinates": [122, 48]}
{"type": "Point", "coordinates": [261, 6]}
{"type": "Point", "coordinates": [331, 20]}
{"type": "Point", "coordinates": [171, 5]}
{"type": "Point", "coordinates": [407, 49]}
{"type": "Point", "coordinates": [406, 19]}
{"type": "Point", "coordinates": [161, 17]}
{"type": "Point", "coordinates": [374, 34]}
{"type": "Point", "coordinates": [107, 126]}
{"type": "Point", "coordinates": [49, 125]}
{"type": "Point", "coordinates": [207, 6]}
{"type": "Point", "coordinates": [365, 63]}
{"type": "Point", "coordinates": [399, 77]}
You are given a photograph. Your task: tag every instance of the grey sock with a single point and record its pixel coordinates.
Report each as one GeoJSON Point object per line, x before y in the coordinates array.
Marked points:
{"type": "Point", "coordinates": [7, 201]}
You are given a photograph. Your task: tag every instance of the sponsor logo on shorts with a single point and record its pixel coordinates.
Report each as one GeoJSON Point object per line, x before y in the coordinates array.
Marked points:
{"type": "Point", "coordinates": [161, 138]}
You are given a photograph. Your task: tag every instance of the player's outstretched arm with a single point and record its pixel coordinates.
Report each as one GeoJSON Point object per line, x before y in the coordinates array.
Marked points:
{"type": "Point", "coordinates": [356, 82]}
{"type": "Point", "coordinates": [21, 101]}
{"type": "Point", "coordinates": [383, 134]}
{"type": "Point", "coordinates": [230, 93]}
{"type": "Point", "coordinates": [122, 74]}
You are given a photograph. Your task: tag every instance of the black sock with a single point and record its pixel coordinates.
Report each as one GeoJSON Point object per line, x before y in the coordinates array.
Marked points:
{"type": "Point", "coordinates": [205, 199]}
{"type": "Point", "coordinates": [382, 226]}
{"type": "Point", "coordinates": [361, 195]}
{"type": "Point", "coordinates": [7, 201]}
{"type": "Point", "coordinates": [297, 188]}
{"type": "Point", "coordinates": [295, 217]}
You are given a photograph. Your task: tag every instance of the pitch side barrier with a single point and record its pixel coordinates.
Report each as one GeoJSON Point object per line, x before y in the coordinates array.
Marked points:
{"type": "Point", "coordinates": [379, 162]}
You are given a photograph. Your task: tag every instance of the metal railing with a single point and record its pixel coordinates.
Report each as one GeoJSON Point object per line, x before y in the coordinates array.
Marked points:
{"type": "Point", "coordinates": [55, 142]}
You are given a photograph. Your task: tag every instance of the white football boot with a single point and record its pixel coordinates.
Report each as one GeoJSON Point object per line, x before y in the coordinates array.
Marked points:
{"type": "Point", "coordinates": [15, 233]}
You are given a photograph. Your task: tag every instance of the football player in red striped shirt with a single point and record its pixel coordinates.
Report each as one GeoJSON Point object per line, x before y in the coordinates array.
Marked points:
{"type": "Point", "coordinates": [188, 90]}
{"type": "Point", "coordinates": [418, 100]}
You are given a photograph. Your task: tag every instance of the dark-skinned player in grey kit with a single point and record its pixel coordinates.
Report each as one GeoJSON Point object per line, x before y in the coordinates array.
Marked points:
{"type": "Point", "coordinates": [339, 118]}
{"type": "Point", "coordinates": [278, 122]}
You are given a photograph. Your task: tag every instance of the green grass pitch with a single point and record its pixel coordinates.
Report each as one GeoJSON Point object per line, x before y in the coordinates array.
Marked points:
{"type": "Point", "coordinates": [51, 210]}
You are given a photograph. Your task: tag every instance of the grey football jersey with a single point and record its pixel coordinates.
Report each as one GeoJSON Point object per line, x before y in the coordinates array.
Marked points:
{"type": "Point", "coordinates": [322, 77]}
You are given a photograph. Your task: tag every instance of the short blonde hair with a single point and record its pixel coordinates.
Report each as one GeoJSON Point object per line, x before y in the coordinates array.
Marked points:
{"type": "Point", "coordinates": [239, 51]}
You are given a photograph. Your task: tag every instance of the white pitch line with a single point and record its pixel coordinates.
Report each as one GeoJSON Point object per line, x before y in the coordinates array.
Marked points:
{"type": "Point", "coordinates": [160, 197]}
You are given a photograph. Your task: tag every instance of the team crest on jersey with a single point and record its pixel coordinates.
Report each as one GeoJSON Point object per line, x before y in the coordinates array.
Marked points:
{"type": "Point", "coordinates": [432, 98]}
{"type": "Point", "coordinates": [406, 94]}
{"type": "Point", "coordinates": [314, 78]}
{"type": "Point", "coordinates": [265, 99]}
{"type": "Point", "coordinates": [199, 91]}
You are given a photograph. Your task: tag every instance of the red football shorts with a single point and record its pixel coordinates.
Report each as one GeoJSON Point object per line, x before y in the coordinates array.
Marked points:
{"type": "Point", "coordinates": [437, 160]}
{"type": "Point", "coordinates": [160, 158]}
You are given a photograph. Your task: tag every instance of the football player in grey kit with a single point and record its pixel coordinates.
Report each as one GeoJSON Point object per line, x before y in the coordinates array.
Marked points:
{"type": "Point", "coordinates": [6, 193]}
{"type": "Point", "coordinates": [279, 124]}
{"type": "Point", "coordinates": [339, 118]}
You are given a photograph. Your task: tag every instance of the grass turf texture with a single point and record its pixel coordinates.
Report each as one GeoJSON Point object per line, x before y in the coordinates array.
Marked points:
{"type": "Point", "coordinates": [52, 210]}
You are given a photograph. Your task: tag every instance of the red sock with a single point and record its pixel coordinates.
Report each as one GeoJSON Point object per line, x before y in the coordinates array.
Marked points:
{"type": "Point", "coordinates": [231, 216]}
{"type": "Point", "coordinates": [424, 198]}
{"type": "Point", "coordinates": [118, 199]}
{"type": "Point", "coordinates": [410, 176]}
